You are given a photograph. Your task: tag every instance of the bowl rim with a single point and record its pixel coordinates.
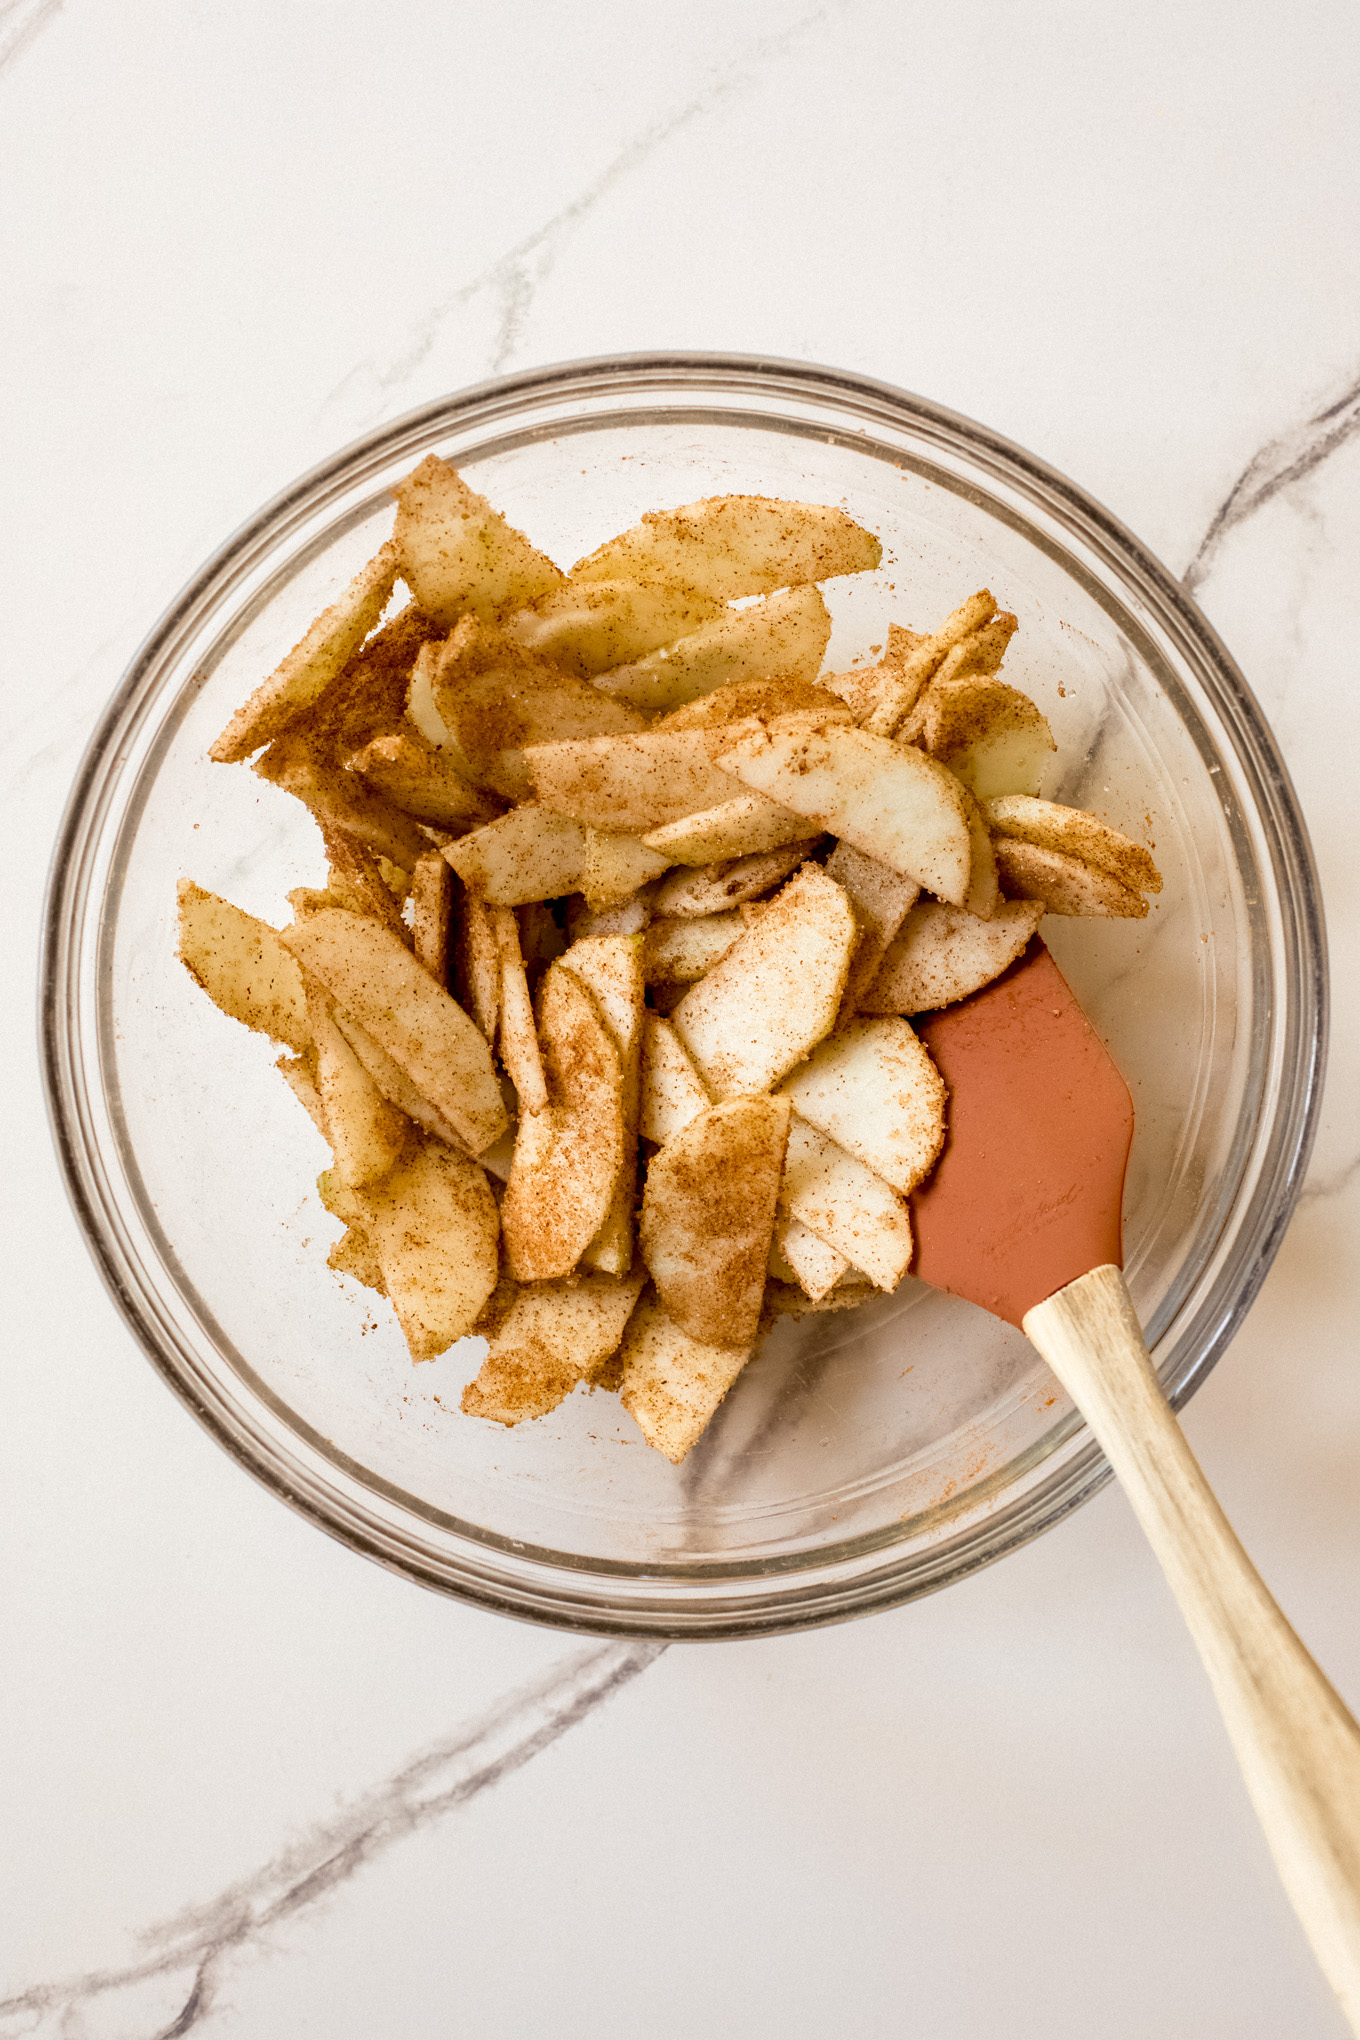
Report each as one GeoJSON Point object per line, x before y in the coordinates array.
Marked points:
{"type": "Point", "coordinates": [573, 1603]}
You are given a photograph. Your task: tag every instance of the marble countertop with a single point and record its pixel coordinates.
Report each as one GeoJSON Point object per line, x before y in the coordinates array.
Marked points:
{"type": "Point", "coordinates": [252, 1786]}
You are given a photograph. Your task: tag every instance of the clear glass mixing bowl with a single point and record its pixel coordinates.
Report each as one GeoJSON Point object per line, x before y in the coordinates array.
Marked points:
{"type": "Point", "coordinates": [861, 1458]}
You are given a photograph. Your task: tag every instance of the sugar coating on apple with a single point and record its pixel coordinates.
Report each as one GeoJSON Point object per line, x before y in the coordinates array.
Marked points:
{"type": "Point", "coordinates": [873, 1089]}
{"type": "Point", "coordinates": [730, 546]}
{"type": "Point", "coordinates": [776, 992]}
{"type": "Point", "coordinates": [886, 799]}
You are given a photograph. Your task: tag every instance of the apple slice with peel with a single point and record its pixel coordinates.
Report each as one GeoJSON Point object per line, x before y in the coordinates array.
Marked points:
{"type": "Point", "coordinates": [886, 799]}
{"type": "Point", "coordinates": [567, 1157]}
{"type": "Point", "coordinates": [596, 627]}
{"type": "Point", "coordinates": [458, 553]}
{"type": "Point", "coordinates": [708, 1213]}
{"type": "Point", "coordinates": [375, 978]}
{"type": "Point", "coordinates": [529, 854]}
{"type": "Point", "coordinates": [672, 1091]}
{"type": "Point", "coordinates": [555, 1335]}
{"type": "Point", "coordinates": [1064, 885]}
{"type": "Point", "coordinates": [777, 991]}
{"type": "Point", "coordinates": [944, 954]}
{"type": "Point", "coordinates": [873, 1089]}
{"type": "Point", "coordinates": [433, 1225]}
{"type": "Point", "coordinates": [670, 1383]}
{"type": "Point", "coordinates": [882, 898]}
{"type": "Point", "coordinates": [786, 636]}
{"type": "Point", "coordinates": [1075, 833]}
{"type": "Point", "coordinates": [841, 1199]}
{"type": "Point", "coordinates": [729, 546]}
{"type": "Point", "coordinates": [815, 1266]}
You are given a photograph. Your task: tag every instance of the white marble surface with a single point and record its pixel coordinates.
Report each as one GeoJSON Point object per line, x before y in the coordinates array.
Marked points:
{"type": "Point", "coordinates": [249, 1784]}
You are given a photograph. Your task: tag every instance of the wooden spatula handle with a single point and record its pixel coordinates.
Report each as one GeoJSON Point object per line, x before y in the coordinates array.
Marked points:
{"type": "Point", "coordinates": [1298, 1746]}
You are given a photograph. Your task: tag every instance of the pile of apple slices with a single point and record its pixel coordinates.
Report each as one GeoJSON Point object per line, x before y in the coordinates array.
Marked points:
{"type": "Point", "coordinates": [604, 1006]}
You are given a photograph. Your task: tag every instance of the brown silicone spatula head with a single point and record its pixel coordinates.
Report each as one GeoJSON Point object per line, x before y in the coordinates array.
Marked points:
{"type": "Point", "coordinates": [1028, 1193]}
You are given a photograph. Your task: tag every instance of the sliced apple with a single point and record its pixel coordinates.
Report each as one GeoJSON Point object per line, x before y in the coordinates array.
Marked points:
{"type": "Point", "coordinates": [747, 826]}
{"type": "Point", "coordinates": [882, 899]}
{"type": "Point", "coordinates": [394, 1084]}
{"type": "Point", "coordinates": [680, 952]}
{"type": "Point", "coordinates": [424, 781]}
{"type": "Point", "coordinates": [314, 664]}
{"type": "Point", "coordinates": [924, 660]}
{"type": "Point", "coordinates": [839, 1198]}
{"type": "Point", "coordinates": [569, 1156]}
{"type": "Point", "coordinates": [476, 975]}
{"type": "Point", "coordinates": [554, 1335]}
{"type": "Point", "coordinates": [991, 736]}
{"type": "Point", "coordinates": [714, 888]}
{"type": "Point", "coordinates": [1065, 885]}
{"type": "Point", "coordinates": [434, 1228]}
{"type": "Point", "coordinates": [243, 965]}
{"type": "Point", "coordinates": [615, 867]}
{"type": "Point", "coordinates": [813, 1265]}
{"type": "Point", "coordinates": [944, 954]}
{"type": "Point", "coordinates": [629, 784]}
{"type": "Point", "coordinates": [673, 1093]}
{"type": "Point", "coordinates": [494, 698]}
{"type": "Point", "coordinates": [372, 976]}
{"type": "Point", "coordinates": [786, 635]}
{"type": "Point", "coordinates": [299, 1073]}
{"type": "Point", "coordinates": [1076, 833]}
{"type": "Point", "coordinates": [458, 553]}
{"type": "Point", "coordinates": [367, 1134]}
{"type": "Point", "coordinates": [738, 700]}
{"type": "Point", "coordinates": [984, 887]}
{"type": "Point", "coordinates": [519, 1039]}
{"type": "Point", "coordinates": [886, 799]}
{"type": "Point", "coordinates": [775, 994]}
{"type": "Point", "coordinates": [610, 967]}
{"type": "Point", "coordinates": [353, 1254]}
{"type": "Point", "coordinates": [980, 652]}
{"type": "Point", "coordinates": [432, 915]}
{"type": "Point", "coordinates": [341, 800]}
{"type": "Point", "coordinates": [529, 854]}
{"type": "Point", "coordinates": [670, 1383]}
{"type": "Point", "coordinates": [729, 546]}
{"type": "Point", "coordinates": [355, 877]}
{"type": "Point", "coordinates": [594, 627]}
{"type": "Point", "coordinates": [873, 1089]}
{"type": "Point", "coordinates": [708, 1212]}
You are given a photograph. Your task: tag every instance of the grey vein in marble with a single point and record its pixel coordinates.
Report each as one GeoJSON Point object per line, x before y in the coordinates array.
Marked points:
{"type": "Point", "coordinates": [1277, 464]}
{"type": "Point", "coordinates": [189, 1952]}
{"type": "Point", "coordinates": [514, 278]}
{"type": "Point", "coordinates": [21, 22]}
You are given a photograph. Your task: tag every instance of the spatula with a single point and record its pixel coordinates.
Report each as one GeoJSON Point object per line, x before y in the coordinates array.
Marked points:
{"type": "Point", "coordinates": [1022, 1216]}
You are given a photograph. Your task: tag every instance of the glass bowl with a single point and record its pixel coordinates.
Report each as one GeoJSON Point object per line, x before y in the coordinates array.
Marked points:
{"type": "Point", "coordinates": [861, 1458]}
